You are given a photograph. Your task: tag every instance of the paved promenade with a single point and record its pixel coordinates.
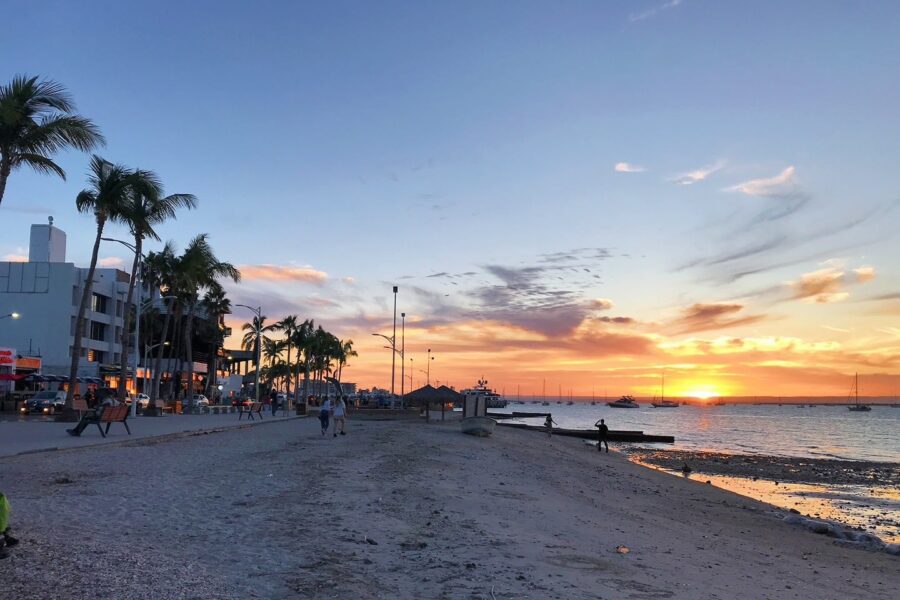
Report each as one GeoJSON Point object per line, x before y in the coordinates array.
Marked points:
{"type": "Point", "coordinates": [20, 434]}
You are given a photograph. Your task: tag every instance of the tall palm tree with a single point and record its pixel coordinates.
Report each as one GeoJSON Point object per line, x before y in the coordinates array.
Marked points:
{"type": "Point", "coordinates": [147, 208]}
{"type": "Point", "coordinates": [248, 342]}
{"type": "Point", "coordinates": [216, 305]}
{"type": "Point", "coordinates": [345, 351]}
{"type": "Point", "coordinates": [197, 269]}
{"type": "Point", "coordinates": [107, 197]}
{"type": "Point", "coordinates": [303, 340]}
{"type": "Point", "coordinates": [36, 121]}
{"type": "Point", "coordinates": [288, 325]}
{"type": "Point", "coordinates": [159, 269]}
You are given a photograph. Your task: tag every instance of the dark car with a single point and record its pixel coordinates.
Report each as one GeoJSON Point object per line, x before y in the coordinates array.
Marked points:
{"type": "Point", "coordinates": [44, 403]}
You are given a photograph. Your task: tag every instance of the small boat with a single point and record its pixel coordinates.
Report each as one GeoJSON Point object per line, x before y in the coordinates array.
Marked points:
{"type": "Point", "coordinates": [482, 426]}
{"type": "Point", "coordinates": [545, 403]}
{"type": "Point", "coordinates": [855, 392]}
{"type": "Point", "coordinates": [663, 403]}
{"type": "Point", "coordinates": [624, 402]}
{"type": "Point", "coordinates": [593, 403]}
{"type": "Point", "coordinates": [569, 403]}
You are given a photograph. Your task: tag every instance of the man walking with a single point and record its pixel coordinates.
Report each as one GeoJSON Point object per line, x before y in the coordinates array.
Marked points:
{"type": "Point", "coordinates": [602, 431]}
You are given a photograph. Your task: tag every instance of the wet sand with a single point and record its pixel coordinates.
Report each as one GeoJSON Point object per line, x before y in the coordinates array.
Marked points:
{"type": "Point", "coordinates": [401, 510]}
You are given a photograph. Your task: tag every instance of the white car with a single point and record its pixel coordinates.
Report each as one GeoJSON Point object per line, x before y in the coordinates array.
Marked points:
{"type": "Point", "coordinates": [200, 400]}
{"type": "Point", "coordinates": [143, 400]}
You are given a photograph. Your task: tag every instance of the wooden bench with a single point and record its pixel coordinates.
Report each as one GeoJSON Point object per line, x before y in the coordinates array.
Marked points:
{"type": "Point", "coordinates": [254, 407]}
{"type": "Point", "coordinates": [113, 414]}
{"type": "Point", "coordinates": [80, 405]}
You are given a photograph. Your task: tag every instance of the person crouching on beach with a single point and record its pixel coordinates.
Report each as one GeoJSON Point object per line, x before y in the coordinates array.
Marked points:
{"type": "Point", "coordinates": [325, 415]}
{"type": "Point", "coordinates": [548, 425]}
{"type": "Point", "coordinates": [6, 540]}
{"type": "Point", "coordinates": [340, 415]}
{"type": "Point", "coordinates": [602, 431]}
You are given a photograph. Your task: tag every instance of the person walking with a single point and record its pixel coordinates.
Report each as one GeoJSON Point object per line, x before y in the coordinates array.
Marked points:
{"type": "Point", "coordinates": [325, 415]}
{"type": "Point", "coordinates": [602, 432]}
{"type": "Point", "coordinates": [273, 399]}
{"type": "Point", "coordinates": [548, 425]}
{"type": "Point", "coordinates": [340, 415]}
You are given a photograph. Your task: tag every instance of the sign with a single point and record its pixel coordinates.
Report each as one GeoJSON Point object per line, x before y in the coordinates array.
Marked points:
{"type": "Point", "coordinates": [28, 362]}
{"type": "Point", "coordinates": [7, 357]}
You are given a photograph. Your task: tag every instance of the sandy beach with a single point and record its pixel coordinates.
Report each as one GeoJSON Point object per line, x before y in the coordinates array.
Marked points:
{"type": "Point", "coordinates": [400, 510]}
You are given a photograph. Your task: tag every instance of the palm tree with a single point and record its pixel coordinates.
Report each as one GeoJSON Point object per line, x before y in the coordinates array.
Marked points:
{"type": "Point", "coordinates": [159, 269]}
{"type": "Point", "coordinates": [197, 269]}
{"type": "Point", "coordinates": [288, 325]}
{"type": "Point", "coordinates": [271, 350]}
{"type": "Point", "coordinates": [36, 121]}
{"type": "Point", "coordinates": [303, 339]}
{"type": "Point", "coordinates": [147, 208]}
{"type": "Point", "coordinates": [345, 351]}
{"type": "Point", "coordinates": [216, 305]}
{"type": "Point", "coordinates": [110, 192]}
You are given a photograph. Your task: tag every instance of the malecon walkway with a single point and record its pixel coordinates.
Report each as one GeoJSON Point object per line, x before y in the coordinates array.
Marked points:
{"type": "Point", "coordinates": [19, 435]}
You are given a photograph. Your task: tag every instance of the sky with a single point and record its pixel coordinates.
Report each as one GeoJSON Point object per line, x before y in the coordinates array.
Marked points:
{"type": "Point", "coordinates": [575, 196]}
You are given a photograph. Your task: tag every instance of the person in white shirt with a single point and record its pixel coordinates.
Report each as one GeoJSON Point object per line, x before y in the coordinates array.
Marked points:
{"type": "Point", "coordinates": [340, 415]}
{"type": "Point", "coordinates": [325, 415]}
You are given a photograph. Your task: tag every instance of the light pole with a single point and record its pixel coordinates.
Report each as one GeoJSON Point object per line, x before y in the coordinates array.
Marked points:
{"type": "Point", "coordinates": [393, 339]}
{"type": "Point", "coordinates": [258, 312]}
{"type": "Point", "coordinates": [147, 350]}
{"type": "Point", "coordinates": [412, 385]}
{"type": "Point", "coordinates": [393, 349]}
{"type": "Point", "coordinates": [12, 315]}
{"type": "Point", "coordinates": [402, 358]}
{"type": "Point", "coordinates": [428, 365]}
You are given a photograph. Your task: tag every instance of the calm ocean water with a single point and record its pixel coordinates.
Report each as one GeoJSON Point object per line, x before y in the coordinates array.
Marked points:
{"type": "Point", "coordinates": [812, 432]}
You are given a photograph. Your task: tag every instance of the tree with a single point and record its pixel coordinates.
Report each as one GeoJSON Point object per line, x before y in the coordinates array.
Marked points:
{"type": "Point", "coordinates": [159, 273]}
{"type": "Point", "coordinates": [345, 351]}
{"type": "Point", "coordinates": [110, 190]}
{"type": "Point", "coordinates": [216, 305]}
{"type": "Point", "coordinates": [147, 208]}
{"type": "Point", "coordinates": [288, 325]}
{"type": "Point", "coordinates": [36, 121]}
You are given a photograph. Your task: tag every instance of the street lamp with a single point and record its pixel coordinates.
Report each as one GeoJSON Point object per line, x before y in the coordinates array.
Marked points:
{"type": "Point", "coordinates": [12, 315]}
{"type": "Point", "coordinates": [402, 359]}
{"type": "Point", "coordinates": [147, 351]}
{"type": "Point", "coordinates": [258, 312]}
{"type": "Point", "coordinates": [394, 338]}
{"type": "Point", "coordinates": [428, 365]}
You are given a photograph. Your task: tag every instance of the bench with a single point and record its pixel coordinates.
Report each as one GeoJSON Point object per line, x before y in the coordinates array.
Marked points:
{"type": "Point", "coordinates": [254, 407]}
{"type": "Point", "coordinates": [113, 414]}
{"type": "Point", "coordinates": [79, 405]}
{"type": "Point", "coordinates": [164, 408]}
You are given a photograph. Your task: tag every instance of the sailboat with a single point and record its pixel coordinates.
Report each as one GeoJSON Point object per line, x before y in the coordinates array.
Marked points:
{"type": "Point", "coordinates": [855, 392]}
{"type": "Point", "coordinates": [663, 403]}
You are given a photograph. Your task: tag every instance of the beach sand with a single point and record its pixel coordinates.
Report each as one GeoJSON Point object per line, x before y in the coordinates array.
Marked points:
{"type": "Point", "coordinates": [400, 510]}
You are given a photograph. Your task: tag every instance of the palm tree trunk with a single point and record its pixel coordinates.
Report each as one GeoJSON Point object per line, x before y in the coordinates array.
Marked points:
{"type": "Point", "coordinates": [69, 412]}
{"type": "Point", "coordinates": [126, 334]}
{"type": "Point", "coordinates": [174, 385]}
{"type": "Point", "coordinates": [189, 355]}
{"type": "Point", "coordinates": [5, 169]}
{"type": "Point", "coordinates": [157, 367]}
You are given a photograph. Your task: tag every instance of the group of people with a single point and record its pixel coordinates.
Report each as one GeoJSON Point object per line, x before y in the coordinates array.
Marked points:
{"type": "Point", "coordinates": [602, 432]}
{"type": "Point", "coordinates": [333, 411]}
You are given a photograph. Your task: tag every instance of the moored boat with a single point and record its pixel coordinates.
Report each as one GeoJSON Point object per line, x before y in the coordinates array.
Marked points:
{"type": "Point", "coordinates": [624, 402]}
{"type": "Point", "coordinates": [855, 392]}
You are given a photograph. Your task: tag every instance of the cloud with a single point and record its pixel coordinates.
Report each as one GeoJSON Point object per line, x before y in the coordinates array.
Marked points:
{"type": "Point", "coordinates": [780, 185]}
{"type": "Point", "coordinates": [705, 317]}
{"type": "Point", "coordinates": [616, 320]}
{"type": "Point", "coordinates": [692, 177]}
{"type": "Point", "coordinates": [110, 262]}
{"type": "Point", "coordinates": [268, 272]}
{"type": "Point", "coordinates": [624, 167]}
{"type": "Point", "coordinates": [348, 280]}
{"type": "Point", "coordinates": [828, 285]}
{"type": "Point", "coordinates": [601, 304]}
{"type": "Point", "coordinates": [15, 258]}
{"type": "Point", "coordinates": [653, 11]}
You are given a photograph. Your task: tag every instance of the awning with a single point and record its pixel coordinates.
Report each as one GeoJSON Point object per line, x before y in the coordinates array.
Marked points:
{"type": "Point", "coordinates": [11, 377]}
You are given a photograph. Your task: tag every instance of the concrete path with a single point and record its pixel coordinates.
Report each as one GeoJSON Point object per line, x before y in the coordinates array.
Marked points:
{"type": "Point", "coordinates": [19, 435]}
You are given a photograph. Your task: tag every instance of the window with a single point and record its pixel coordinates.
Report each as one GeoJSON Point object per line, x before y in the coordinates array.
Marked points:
{"type": "Point", "coordinates": [119, 305]}
{"type": "Point", "coordinates": [98, 331]}
{"type": "Point", "coordinates": [98, 303]}
{"type": "Point", "coordinates": [95, 356]}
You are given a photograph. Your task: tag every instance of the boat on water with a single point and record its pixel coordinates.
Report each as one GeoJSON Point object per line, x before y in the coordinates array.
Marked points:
{"type": "Point", "coordinates": [481, 426]}
{"type": "Point", "coordinates": [662, 402]}
{"type": "Point", "coordinates": [855, 393]}
{"type": "Point", "coordinates": [569, 403]}
{"type": "Point", "coordinates": [491, 398]}
{"type": "Point", "coordinates": [545, 403]}
{"type": "Point", "coordinates": [624, 402]}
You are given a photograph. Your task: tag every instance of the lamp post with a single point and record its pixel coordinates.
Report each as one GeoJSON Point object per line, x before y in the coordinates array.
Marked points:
{"type": "Point", "coordinates": [258, 312]}
{"type": "Point", "coordinates": [412, 385]}
{"type": "Point", "coordinates": [394, 351]}
{"type": "Point", "coordinates": [12, 315]}
{"type": "Point", "coordinates": [402, 358]}
{"type": "Point", "coordinates": [428, 365]}
{"type": "Point", "coordinates": [147, 350]}
{"type": "Point", "coordinates": [393, 339]}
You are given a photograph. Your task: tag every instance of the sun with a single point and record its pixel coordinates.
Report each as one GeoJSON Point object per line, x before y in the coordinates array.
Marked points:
{"type": "Point", "coordinates": [703, 392]}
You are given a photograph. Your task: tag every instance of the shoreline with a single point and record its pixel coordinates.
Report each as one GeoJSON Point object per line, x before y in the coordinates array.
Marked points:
{"type": "Point", "coordinates": [401, 509]}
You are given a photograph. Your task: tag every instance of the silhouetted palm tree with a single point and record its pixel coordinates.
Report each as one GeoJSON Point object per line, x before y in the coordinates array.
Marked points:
{"type": "Point", "coordinates": [36, 121]}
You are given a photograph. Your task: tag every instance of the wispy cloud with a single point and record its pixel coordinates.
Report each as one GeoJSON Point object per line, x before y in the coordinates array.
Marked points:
{"type": "Point", "coordinates": [282, 273]}
{"type": "Point", "coordinates": [706, 317]}
{"type": "Point", "coordinates": [18, 255]}
{"type": "Point", "coordinates": [828, 285]}
{"type": "Point", "coordinates": [624, 167]}
{"type": "Point", "coordinates": [110, 262]}
{"type": "Point", "coordinates": [783, 184]}
{"type": "Point", "coordinates": [653, 11]}
{"type": "Point", "coordinates": [601, 304]}
{"type": "Point", "coordinates": [697, 175]}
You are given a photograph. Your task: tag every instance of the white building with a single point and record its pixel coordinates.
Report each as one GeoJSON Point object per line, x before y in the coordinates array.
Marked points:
{"type": "Point", "coordinates": [46, 292]}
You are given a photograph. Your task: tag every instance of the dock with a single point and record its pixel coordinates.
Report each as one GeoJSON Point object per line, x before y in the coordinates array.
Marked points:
{"type": "Point", "coordinates": [591, 434]}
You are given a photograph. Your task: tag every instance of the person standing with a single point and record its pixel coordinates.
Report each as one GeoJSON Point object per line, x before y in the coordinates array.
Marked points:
{"type": "Point", "coordinates": [602, 433]}
{"type": "Point", "coordinates": [340, 415]}
{"type": "Point", "coordinates": [548, 425]}
{"type": "Point", "coordinates": [325, 415]}
{"type": "Point", "coordinates": [273, 399]}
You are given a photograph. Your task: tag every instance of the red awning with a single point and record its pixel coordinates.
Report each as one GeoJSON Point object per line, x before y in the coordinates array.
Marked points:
{"type": "Point", "coordinates": [12, 377]}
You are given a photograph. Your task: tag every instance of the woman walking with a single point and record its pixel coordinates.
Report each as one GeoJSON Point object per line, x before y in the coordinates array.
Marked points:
{"type": "Point", "coordinates": [325, 415]}
{"type": "Point", "coordinates": [340, 415]}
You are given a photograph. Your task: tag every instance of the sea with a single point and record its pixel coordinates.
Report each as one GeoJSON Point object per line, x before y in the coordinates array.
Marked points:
{"type": "Point", "coordinates": [819, 429]}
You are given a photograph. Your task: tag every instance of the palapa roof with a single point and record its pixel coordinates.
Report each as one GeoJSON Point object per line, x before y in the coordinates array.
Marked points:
{"type": "Point", "coordinates": [429, 393]}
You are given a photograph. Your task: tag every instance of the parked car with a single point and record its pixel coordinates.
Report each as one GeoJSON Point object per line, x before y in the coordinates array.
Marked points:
{"type": "Point", "coordinates": [44, 403]}
{"type": "Point", "coordinates": [200, 400]}
{"type": "Point", "coordinates": [143, 400]}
